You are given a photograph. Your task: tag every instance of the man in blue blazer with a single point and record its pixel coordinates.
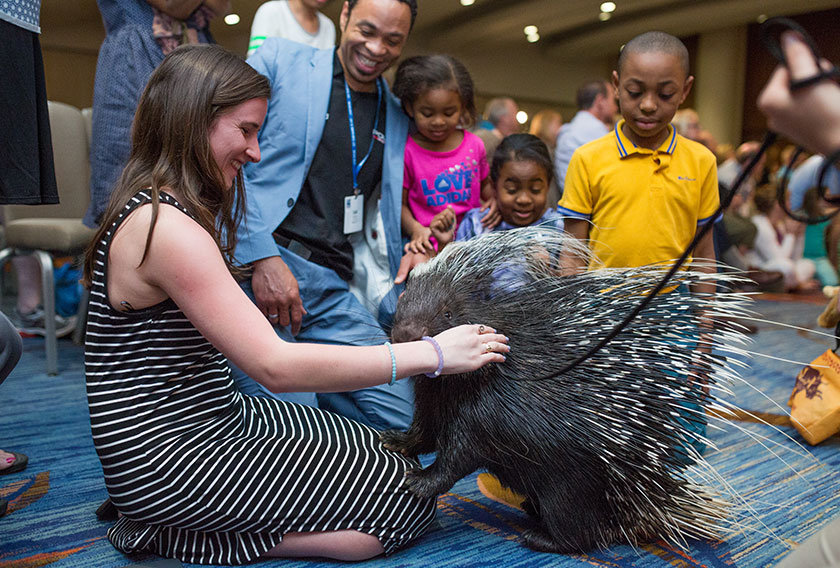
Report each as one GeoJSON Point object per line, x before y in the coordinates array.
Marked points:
{"type": "Point", "coordinates": [322, 224]}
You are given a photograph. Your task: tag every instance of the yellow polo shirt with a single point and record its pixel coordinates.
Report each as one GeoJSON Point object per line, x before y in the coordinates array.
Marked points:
{"type": "Point", "coordinates": [644, 205]}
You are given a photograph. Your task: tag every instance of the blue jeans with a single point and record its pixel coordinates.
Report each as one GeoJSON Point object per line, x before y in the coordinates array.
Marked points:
{"type": "Point", "coordinates": [335, 316]}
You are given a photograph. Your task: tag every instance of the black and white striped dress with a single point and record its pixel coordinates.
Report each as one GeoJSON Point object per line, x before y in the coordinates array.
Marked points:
{"type": "Point", "coordinates": [205, 474]}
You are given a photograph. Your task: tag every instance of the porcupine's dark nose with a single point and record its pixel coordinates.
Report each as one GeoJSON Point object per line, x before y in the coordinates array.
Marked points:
{"type": "Point", "coordinates": [402, 333]}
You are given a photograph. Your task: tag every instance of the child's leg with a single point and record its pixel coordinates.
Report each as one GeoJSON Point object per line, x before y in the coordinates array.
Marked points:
{"type": "Point", "coordinates": [347, 545]}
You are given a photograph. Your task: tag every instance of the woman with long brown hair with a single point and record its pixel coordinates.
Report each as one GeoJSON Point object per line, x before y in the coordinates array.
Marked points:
{"type": "Point", "coordinates": [197, 470]}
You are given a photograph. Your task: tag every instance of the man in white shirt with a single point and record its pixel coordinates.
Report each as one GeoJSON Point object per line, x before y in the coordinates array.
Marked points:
{"type": "Point", "coordinates": [597, 108]}
{"type": "Point", "coordinates": [295, 20]}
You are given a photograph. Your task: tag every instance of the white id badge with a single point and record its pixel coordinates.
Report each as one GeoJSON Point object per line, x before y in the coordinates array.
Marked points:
{"type": "Point", "coordinates": [354, 209]}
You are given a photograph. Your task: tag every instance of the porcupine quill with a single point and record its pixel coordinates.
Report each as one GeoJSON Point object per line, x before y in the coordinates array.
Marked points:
{"type": "Point", "coordinates": [606, 452]}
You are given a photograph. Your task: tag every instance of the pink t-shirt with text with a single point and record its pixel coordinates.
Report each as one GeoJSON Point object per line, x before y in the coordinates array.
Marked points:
{"type": "Point", "coordinates": [437, 179]}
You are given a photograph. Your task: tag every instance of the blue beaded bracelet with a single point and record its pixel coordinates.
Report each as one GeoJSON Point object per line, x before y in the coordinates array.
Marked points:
{"type": "Point", "coordinates": [436, 345]}
{"type": "Point", "coordinates": [393, 363]}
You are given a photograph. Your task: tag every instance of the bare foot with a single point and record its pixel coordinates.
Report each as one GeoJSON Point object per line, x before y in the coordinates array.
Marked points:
{"type": "Point", "coordinates": [6, 460]}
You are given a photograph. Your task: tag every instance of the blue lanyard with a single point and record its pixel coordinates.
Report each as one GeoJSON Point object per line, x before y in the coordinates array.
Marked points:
{"type": "Point", "coordinates": [357, 167]}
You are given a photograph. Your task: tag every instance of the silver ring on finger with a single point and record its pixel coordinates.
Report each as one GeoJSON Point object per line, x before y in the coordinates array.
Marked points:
{"type": "Point", "coordinates": [480, 329]}
{"type": "Point", "coordinates": [273, 316]}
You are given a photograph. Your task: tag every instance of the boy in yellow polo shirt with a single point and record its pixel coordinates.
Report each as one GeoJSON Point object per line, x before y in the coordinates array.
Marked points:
{"type": "Point", "coordinates": [640, 193]}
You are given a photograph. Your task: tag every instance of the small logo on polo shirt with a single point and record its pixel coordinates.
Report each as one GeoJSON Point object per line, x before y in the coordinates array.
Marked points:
{"type": "Point", "coordinates": [378, 136]}
{"type": "Point", "coordinates": [684, 178]}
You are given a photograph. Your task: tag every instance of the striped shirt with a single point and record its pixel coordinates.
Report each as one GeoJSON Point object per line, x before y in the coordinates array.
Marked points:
{"type": "Point", "coordinates": [205, 474]}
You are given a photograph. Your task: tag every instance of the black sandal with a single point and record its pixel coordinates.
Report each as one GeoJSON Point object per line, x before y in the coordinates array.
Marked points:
{"type": "Point", "coordinates": [107, 511]}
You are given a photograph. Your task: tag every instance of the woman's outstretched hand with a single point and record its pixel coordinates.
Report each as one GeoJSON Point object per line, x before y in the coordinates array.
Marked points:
{"type": "Point", "coordinates": [468, 347]}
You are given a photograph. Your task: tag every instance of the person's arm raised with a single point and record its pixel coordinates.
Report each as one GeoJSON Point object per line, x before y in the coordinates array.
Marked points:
{"type": "Point", "coordinates": [185, 263]}
{"type": "Point", "coordinates": [811, 115]}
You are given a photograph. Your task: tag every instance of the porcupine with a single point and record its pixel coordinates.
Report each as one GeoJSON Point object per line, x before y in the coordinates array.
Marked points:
{"type": "Point", "coordinates": [601, 451]}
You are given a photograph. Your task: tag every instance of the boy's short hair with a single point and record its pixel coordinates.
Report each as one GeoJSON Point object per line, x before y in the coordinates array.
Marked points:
{"type": "Point", "coordinates": [655, 42]}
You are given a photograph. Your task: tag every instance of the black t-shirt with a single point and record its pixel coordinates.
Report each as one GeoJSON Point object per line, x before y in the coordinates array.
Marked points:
{"type": "Point", "coordinates": [317, 219]}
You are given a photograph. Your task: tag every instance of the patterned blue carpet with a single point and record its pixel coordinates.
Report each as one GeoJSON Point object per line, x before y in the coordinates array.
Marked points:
{"type": "Point", "coordinates": [789, 491]}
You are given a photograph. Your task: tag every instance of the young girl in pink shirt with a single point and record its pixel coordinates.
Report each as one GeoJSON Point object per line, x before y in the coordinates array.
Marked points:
{"type": "Point", "coordinates": [446, 171]}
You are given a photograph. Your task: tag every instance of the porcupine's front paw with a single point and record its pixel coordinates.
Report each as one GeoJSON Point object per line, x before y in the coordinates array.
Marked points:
{"type": "Point", "coordinates": [539, 540]}
{"type": "Point", "coordinates": [396, 441]}
{"type": "Point", "coordinates": [424, 483]}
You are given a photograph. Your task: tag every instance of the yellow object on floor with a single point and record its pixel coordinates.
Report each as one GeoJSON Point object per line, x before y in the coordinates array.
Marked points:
{"type": "Point", "coordinates": [491, 488]}
{"type": "Point", "coordinates": [830, 316]}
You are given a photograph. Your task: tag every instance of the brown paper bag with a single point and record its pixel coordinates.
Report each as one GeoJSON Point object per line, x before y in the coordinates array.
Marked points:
{"type": "Point", "coordinates": [815, 400]}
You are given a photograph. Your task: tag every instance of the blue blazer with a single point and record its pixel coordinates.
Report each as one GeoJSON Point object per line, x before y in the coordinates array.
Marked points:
{"type": "Point", "coordinates": [301, 79]}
